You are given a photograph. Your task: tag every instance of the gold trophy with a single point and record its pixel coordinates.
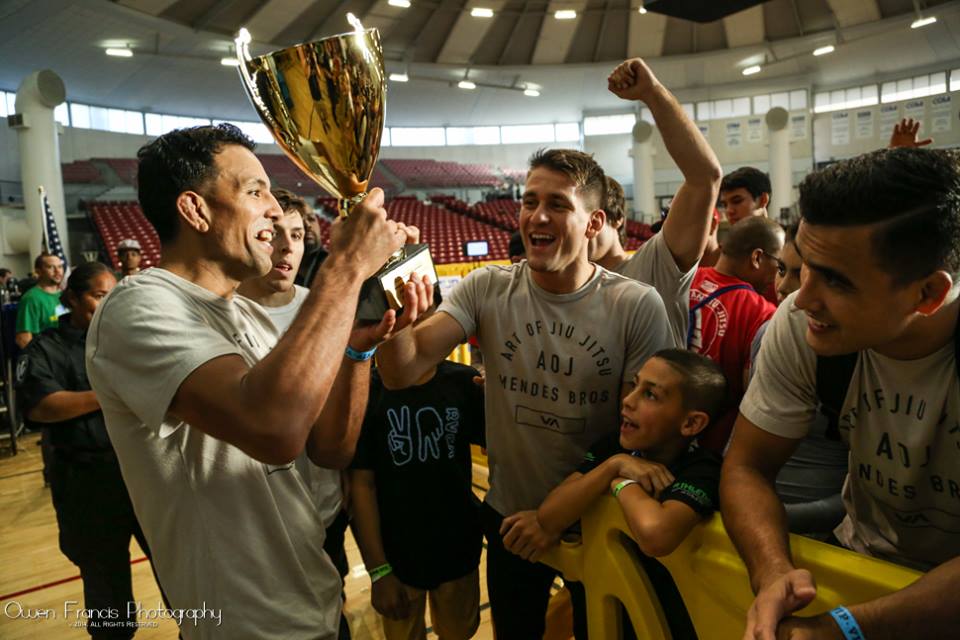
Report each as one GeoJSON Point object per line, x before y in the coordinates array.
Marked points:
{"type": "Point", "coordinates": [325, 103]}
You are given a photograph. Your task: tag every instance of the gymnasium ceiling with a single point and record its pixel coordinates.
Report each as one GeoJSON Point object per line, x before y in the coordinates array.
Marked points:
{"type": "Point", "coordinates": [178, 45]}
{"type": "Point", "coordinates": [526, 32]}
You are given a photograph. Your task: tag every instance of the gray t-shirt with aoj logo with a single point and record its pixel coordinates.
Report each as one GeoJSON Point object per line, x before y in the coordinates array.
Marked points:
{"type": "Point", "coordinates": [555, 366]}
{"type": "Point", "coordinates": [902, 421]}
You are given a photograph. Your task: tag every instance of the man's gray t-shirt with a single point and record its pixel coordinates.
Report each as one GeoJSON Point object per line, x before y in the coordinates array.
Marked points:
{"type": "Point", "coordinates": [555, 366]}
{"type": "Point", "coordinates": [653, 264]}
{"type": "Point", "coordinates": [901, 419]}
{"type": "Point", "coordinates": [226, 531]}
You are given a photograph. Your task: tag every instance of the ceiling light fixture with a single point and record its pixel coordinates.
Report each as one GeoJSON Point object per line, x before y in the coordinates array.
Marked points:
{"type": "Point", "coordinates": [120, 53]}
{"type": "Point", "coordinates": [642, 8]}
{"type": "Point", "coordinates": [922, 22]}
{"type": "Point", "coordinates": [399, 77]}
{"type": "Point", "coordinates": [822, 51]}
{"type": "Point", "coordinates": [565, 14]}
{"type": "Point", "coordinates": [403, 4]}
{"type": "Point", "coordinates": [230, 62]}
{"type": "Point", "coordinates": [532, 93]}
{"type": "Point", "coordinates": [749, 71]}
{"type": "Point", "coordinates": [481, 12]}
{"type": "Point", "coordinates": [466, 84]}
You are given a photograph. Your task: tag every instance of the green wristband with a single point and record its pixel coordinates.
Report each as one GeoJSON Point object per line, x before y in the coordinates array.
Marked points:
{"type": "Point", "coordinates": [380, 572]}
{"type": "Point", "coordinates": [620, 485]}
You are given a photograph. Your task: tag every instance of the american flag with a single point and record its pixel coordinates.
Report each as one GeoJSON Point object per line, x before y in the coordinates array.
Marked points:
{"type": "Point", "coordinates": [50, 243]}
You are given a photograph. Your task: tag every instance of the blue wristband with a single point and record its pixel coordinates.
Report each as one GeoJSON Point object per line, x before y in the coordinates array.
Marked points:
{"type": "Point", "coordinates": [360, 356]}
{"type": "Point", "coordinates": [847, 623]}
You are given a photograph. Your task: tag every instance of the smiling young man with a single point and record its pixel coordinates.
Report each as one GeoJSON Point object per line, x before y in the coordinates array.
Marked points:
{"type": "Point", "coordinates": [208, 411]}
{"type": "Point", "coordinates": [563, 338]}
{"type": "Point", "coordinates": [880, 245]}
{"type": "Point", "coordinates": [40, 307]}
{"type": "Point", "coordinates": [668, 260]}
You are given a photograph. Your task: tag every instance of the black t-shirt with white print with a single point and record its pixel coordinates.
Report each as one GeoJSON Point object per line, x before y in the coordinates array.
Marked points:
{"type": "Point", "coordinates": [417, 443]}
{"type": "Point", "coordinates": [696, 473]}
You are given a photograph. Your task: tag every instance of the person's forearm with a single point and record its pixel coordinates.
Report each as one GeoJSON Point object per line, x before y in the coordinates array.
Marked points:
{"type": "Point", "coordinates": [565, 504]}
{"type": "Point", "coordinates": [366, 522]}
{"type": "Point", "coordinates": [398, 361]}
{"type": "Point", "coordinates": [652, 529]}
{"type": "Point", "coordinates": [928, 608]}
{"type": "Point", "coordinates": [64, 405]}
{"type": "Point", "coordinates": [23, 338]}
{"type": "Point", "coordinates": [333, 439]}
{"type": "Point", "coordinates": [305, 361]}
{"type": "Point", "coordinates": [756, 522]}
{"type": "Point", "coordinates": [683, 140]}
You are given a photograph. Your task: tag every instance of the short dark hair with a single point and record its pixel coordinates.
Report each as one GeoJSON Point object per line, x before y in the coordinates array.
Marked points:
{"type": "Point", "coordinates": [80, 278]}
{"type": "Point", "coordinates": [579, 167]}
{"type": "Point", "coordinates": [755, 232]}
{"type": "Point", "coordinates": [178, 161]}
{"type": "Point", "coordinates": [756, 182]}
{"type": "Point", "coordinates": [616, 207]}
{"type": "Point", "coordinates": [790, 233]}
{"type": "Point", "coordinates": [289, 201]}
{"type": "Point", "coordinates": [911, 194]}
{"type": "Point", "coordinates": [38, 262]}
{"type": "Point", "coordinates": [703, 386]}
{"type": "Point", "coordinates": [516, 248]}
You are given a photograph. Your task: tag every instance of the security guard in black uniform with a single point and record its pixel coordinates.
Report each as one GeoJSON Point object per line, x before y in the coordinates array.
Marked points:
{"type": "Point", "coordinates": [93, 508]}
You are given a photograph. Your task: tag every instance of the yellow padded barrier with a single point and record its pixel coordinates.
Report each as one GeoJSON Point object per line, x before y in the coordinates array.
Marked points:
{"type": "Point", "coordinates": [709, 574]}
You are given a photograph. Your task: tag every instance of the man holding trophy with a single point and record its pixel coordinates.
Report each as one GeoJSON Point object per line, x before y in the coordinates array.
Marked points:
{"type": "Point", "coordinates": [207, 409]}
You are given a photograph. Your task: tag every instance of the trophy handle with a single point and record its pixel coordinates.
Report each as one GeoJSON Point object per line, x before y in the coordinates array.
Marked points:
{"type": "Point", "coordinates": [242, 44]}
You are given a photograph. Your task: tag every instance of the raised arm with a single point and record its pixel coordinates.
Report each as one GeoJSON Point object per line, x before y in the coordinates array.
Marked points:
{"type": "Point", "coordinates": [253, 407]}
{"type": "Point", "coordinates": [755, 519]}
{"type": "Point", "coordinates": [688, 225]}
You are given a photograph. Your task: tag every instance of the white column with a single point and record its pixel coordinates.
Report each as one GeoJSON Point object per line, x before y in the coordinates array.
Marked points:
{"type": "Point", "coordinates": [781, 172]}
{"type": "Point", "coordinates": [644, 190]}
{"type": "Point", "coordinates": [39, 94]}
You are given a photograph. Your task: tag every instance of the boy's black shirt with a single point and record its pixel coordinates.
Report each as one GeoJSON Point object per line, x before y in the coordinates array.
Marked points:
{"type": "Point", "coordinates": [696, 473]}
{"type": "Point", "coordinates": [417, 443]}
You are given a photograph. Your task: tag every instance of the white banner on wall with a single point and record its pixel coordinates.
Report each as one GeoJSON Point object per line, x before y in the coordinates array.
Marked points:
{"type": "Point", "coordinates": [914, 109]}
{"type": "Point", "coordinates": [798, 127]}
{"type": "Point", "coordinates": [864, 124]}
{"type": "Point", "coordinates": [734, 134]}
{"type": "Point", "coordinates": [840, 129]}
{"type": "Point", "coordinates": [889, 116]}
{"type": "Point", "coordinates": [755, 130]}
{"type": "Point", "coordinates": [941, 113]}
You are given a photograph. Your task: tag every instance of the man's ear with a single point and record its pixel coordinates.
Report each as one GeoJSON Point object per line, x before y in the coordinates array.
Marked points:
{"type": "Point", "coordinates": [763, 200]}
{"type": "Point", "coordinates": [756, 257]}
{"type": "Point", "coordinates": [694, 423]}
{"type": "Point", "coordinates": [934, 291]}
{"type": "Point", "coordinates": [598, 218]}
{"type": "Point", "coordinates": [194, 211]}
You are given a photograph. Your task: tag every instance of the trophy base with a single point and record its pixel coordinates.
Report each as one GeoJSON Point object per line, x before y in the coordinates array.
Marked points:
{"type": "Point", "coordinates": [381, 292]}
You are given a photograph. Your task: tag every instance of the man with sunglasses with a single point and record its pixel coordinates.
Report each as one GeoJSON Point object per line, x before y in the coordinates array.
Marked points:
{"type": "Point", "coordinates": [726, 311]}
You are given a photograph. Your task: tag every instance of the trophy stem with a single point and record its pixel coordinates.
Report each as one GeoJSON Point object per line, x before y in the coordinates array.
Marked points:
{"type": "Point", "coordinates": [344, 205]}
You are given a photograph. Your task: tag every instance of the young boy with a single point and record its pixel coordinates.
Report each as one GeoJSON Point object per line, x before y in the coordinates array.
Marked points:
{"type": "Point", "coordinates": [664, 482]}
{"type": "Point", "coordinates": [416, 519]}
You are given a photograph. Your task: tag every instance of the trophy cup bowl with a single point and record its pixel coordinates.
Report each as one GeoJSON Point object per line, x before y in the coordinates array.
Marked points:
{"type": "Point", "coordinates": [324, 102]}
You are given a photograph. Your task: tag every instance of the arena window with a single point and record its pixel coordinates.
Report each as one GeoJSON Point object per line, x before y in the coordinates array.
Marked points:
{"type": "Point", "coordinates": [606, 125]}
{"type": "Point", "coordinates": [955, 80]}
{"type": "Point", "coordinates": [567, 132]}
{"type": "Point", "coordinates": [472, 135]}
{"type": "Point", "coordinates": [417, 136]}
{"type": "Point", "coordinates": [915, 87]}
{"type": "Point", "coordinates": [520, 133]}
{"type": "Point", "coordinates": [257, 131]}
{"type": "Point", "coordinates": [841, 99]}
{"type": "Point", "coordinates": [159, 123]}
